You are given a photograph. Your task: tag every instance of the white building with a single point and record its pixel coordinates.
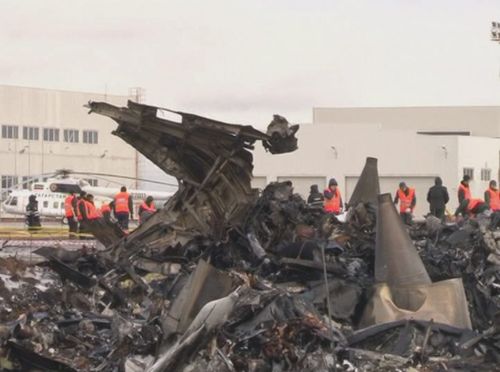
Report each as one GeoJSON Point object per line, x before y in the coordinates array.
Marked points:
{"type": "Point", "coordinates": [415, 151]}
{"type": "Point", "coordinates": [44, 130]}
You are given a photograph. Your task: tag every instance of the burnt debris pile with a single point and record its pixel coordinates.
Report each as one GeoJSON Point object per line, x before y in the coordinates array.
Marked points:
{"type": "Point", "coordinates": [224, 279]}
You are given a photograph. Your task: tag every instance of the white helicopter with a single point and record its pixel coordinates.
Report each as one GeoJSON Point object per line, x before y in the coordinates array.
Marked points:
{"type": "Point", "coordinates": [51, 194]}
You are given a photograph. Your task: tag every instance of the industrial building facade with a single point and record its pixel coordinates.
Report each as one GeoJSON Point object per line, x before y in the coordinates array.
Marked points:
{"type": "Point", "coordinates": [413, 145]}
{"type": "Point", "coordinates": [44, 130]}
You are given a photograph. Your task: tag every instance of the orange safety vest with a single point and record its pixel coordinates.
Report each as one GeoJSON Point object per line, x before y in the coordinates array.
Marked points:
{"type": "Point", "coordinates": [68, 206]}
{"type": "Point", "coordinates": [148, 208]}
{"type": "Point", "coordinates": [332, 205]}
{"type": "Point", "coordinates": [405, 200]}
{"type": "Point", "coordinates": [105, 208]}
{"type": "Point", "coordinates": [466, 191]}
{"type": "Point", "coordinates": [121, 202]}
{"type": "Point", "coordinates": [494, 199]}
{"type": "Point", "coordinates": [92, 212]}
{"type": "Point", "coordinates": [473, 204]}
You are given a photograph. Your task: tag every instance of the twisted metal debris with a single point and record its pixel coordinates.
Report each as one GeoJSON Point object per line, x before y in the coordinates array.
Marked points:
{"type": "Point", "coordinates": [222, 279]}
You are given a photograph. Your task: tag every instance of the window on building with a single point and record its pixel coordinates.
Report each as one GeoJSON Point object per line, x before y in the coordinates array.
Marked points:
{"type": "Point", "coordinates": [9, 182]}
{"type": "Point", "coordinates": [71, 135]}
{"type": "Point", "coordinates": [469, 172]}
{"type": "Point", "coordinates": [45, 203]}
{"type": "Point", "coordinates": [51, 134]}
{"type": "Point", "coordinates": [26, 183]}
{"type": "Point", "coordinates": [90, 136]}
{"type": "Point", "coordinates": [30, 133]}
{"type": "Point", "coordinates": [91, 181]}
{"type": "Point", "coordinates": [485, 174]}
{"type": "Point", "coordinates": [10, 131]}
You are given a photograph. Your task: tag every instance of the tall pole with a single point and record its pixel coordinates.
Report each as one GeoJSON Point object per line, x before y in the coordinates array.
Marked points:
{"type": "Point", "coordinates": [29, 165]}
{"type": "Point", "coordinates": [42, 157]}
{"type": "Point", "coordinates": [495, 37]}
{"type": "Point", "coordinates": [15, 159]}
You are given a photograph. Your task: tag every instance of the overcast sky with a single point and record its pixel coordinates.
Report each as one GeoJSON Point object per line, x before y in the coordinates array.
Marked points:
{"type": "Point", "coordinates": [242, 61]}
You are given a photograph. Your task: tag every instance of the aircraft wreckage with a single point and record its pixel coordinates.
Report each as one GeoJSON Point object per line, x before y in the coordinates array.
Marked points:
{"type": "Point", "coordinates": [224, 279]}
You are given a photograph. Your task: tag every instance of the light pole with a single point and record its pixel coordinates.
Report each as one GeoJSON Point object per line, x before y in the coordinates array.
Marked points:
{"type": "Point", "coordinates": [29, 162]}
{"type": "Point", "coordinates": [495, 36]}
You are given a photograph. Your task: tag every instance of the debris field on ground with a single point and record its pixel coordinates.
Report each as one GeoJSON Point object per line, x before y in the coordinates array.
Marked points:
{"type": "Point", "coordinates": [223, 278]}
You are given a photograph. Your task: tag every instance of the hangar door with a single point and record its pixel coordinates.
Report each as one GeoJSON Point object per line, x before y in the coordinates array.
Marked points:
{"type": "Point", "coordinates": [391, 183]}
{"type": "Point", "coordinates": [302, 185]}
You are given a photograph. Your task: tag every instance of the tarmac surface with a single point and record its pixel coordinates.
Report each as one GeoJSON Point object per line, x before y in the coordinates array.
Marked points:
{"type": "Point", "coordinates": [19, 242]}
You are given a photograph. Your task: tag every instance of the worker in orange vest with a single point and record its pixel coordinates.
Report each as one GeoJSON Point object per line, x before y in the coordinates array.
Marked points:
{"type": "Point", "coordinates": [492, 197]}
{"type": "Point", "coordinates": [146, 209]}
{"type": "Point", "coordinates": [106, 210]}
{"type": "Point", "coordinates": [123, 208]}
{"type": "Point", "coordinates": [471, 207]}
{"type": "Point", "coordinates": [407, 200]}
{"type": "Point", "coordinates": [464, 189]}
{"type": "Point", "coordinates": [87, 209]}
{"type": "Point", "coordinates": [70, 214]}
{"type": "Point", "coordinates": [333, 199]}
{"type": "Point", "coordinates": [79, 202]}
{"type": "Point", "coordinates": [92, 212]}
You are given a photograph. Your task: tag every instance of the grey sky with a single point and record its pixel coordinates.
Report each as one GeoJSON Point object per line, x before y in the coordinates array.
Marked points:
{"type": "Point", "coordinates": [242, 61]}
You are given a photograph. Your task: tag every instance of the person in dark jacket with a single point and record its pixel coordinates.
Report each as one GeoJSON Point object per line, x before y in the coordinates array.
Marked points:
{"type": "Point", "coordinates": [438, 197]}
{"type": "Point", "coordinates": [32, 214]}
{"type": "Point", "coordinates": [315, 198]}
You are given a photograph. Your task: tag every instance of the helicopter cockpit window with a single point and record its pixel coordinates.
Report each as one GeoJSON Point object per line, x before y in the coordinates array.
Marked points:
{"type": "Point", "coordinates": [13, 200]}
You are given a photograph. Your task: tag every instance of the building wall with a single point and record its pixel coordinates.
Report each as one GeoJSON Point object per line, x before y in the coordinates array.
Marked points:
{"type": "Point", "coordinates": [479, 153]}
{"type": "Point", "coordinates": [402, 155]}
{"type": "Point", "coordinates": [43, 108]}
{"type": "Point", "coordinates": [479, 120]}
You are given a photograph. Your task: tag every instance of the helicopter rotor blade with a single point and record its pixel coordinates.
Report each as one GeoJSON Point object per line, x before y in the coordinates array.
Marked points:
{"type": "Point", "coordinates": [124, 177]}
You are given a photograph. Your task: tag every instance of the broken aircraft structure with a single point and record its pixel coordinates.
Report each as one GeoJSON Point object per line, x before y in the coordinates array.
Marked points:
{"type": "Point", "coordinates": [224, 279]}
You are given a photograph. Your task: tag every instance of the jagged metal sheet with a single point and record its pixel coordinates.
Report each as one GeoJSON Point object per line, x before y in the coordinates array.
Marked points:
{"type": "Point", "coordinates": [211, 161]}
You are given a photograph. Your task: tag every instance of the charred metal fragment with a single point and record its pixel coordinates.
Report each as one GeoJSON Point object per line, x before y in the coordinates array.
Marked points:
{"type": "Point", "coordinates": [61, 254]}
{"type": "Point", "coordinates": [403, 289]}
{"type": "Point", "coordinates": [372, 335]}
{"type": "Point", "coordinates": [396, 260]}
{"type": "Point", "coordinates": [31, 360]}
{"type": "Point", "coordinates": [367, 188]}
{"type": "Point", "coordinates": [107, 232]}
{"type": "Point", "coordinates": [71, 274]}
{"type": "Point", "coordinates": [204, 285]}
{"type": "Point", "coordinates": [344, 297]}
{"type": "Point", "coordinates": [208, 157]}
{"type": "Point", "coordinates": [314, 265]}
